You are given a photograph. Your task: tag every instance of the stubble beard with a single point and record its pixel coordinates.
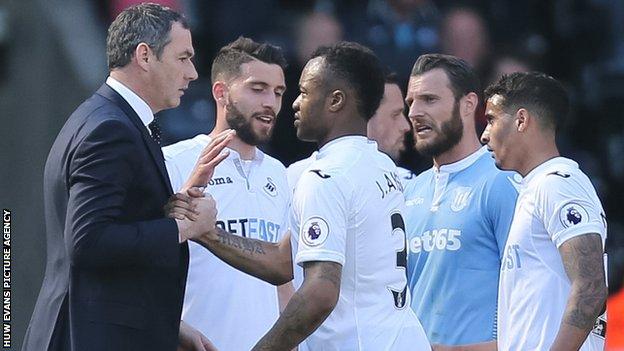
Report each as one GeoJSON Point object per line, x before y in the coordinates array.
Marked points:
{"type": "Point", "coordinates": [243, 126]}
{"type": "Point", "coordinates": [448, 136]}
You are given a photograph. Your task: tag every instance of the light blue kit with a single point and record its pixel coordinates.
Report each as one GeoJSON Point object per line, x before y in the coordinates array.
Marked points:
{"type": "Point", "coordinates": [457, 223]}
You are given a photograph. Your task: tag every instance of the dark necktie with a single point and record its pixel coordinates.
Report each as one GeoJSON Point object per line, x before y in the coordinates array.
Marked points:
{"type": "Point", "coordinates": [155, 129]}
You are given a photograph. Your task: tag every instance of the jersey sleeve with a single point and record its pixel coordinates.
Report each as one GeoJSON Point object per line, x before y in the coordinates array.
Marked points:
{"type": "Point", "coordinates": [321, 208]}
{"type": "Point", "coordinates": [568, 208]}
{"type": "Point", "coordinates": [501, 204]}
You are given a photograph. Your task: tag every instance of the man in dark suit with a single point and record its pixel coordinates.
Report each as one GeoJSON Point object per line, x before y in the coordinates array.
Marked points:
{"type": "Point", "coordinates": [116, 267]}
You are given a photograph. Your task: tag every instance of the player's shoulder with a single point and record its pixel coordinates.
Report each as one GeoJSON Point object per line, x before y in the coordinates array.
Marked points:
{"type": "Point", "coordinates": [188, 148]}
{"type": "Point", "coordinates": [274, 163]}
{"type": "Point", "coordinates": [327, 173]}
{"type": "Point", "coordinates": [294, 171]}
{"type": "Point", "coordinates": [560, 174]}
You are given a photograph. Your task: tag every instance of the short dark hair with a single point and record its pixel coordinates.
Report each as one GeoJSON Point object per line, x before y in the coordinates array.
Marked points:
{"type": "Point", "coordinates": [462, 77]}
{"type": "Point", "coordinates": [536, 92]}
{"type": "Point", "coordinates": [145, 23]}
{"type": "Point", "coordinates": [391, 77]}
{"type": "Point", "coordinates": [360, 68]}
{"type": "Point", "coordinates": [242, 50]}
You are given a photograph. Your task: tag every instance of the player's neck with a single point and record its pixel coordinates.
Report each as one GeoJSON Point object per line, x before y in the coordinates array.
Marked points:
{"type": "Point", "coordinates": [246, 151]}
{"type": "Point", "coordinates": [537, 156]}
{"type": "Point", "coordinates": [466, 147]}
{"type": "Point", "coordinates": [353, 126]}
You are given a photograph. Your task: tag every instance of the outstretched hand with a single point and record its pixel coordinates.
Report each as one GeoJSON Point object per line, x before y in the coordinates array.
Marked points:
{"type": "Point", "coordinates": [208, 160]}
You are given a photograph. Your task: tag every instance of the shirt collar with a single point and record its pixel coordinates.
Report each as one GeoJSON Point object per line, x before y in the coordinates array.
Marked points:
{"type": "Point", "coordinates": [339, 142]}
{"type": "Point", "coordinates": [258, 157]}
{"type": "Point", "coordinates": [138, 105]}
{"type": "Point", "coordinates": [547, 167]}
{"type": "Point", "coordinates": [463, 163]}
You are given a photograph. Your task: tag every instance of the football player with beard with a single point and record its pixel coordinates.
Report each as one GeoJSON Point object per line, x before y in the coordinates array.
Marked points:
{"type": "Point", "coordinates": [458, 212]}
{"type": "Point", "coordinates": [251, 192]}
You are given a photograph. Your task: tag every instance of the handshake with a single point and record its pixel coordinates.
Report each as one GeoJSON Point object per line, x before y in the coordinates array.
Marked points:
{"type": "Point", "coordinates": [195, 212]}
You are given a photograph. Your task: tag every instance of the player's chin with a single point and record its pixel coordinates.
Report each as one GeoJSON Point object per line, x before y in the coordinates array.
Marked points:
{"type": "Point", "coordinates": [304, 135]}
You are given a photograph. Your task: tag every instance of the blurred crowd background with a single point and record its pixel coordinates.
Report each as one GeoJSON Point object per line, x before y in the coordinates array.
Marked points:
{"type": "Point", "coordinates": [52, 56]}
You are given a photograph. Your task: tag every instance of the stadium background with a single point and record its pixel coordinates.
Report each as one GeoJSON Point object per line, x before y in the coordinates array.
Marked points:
{"type": "Point", "coordinates": [52, 56]}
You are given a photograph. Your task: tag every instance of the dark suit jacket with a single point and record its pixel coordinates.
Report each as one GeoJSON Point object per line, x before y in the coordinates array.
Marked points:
{"type": "Point", "coordinates": [115, 271]}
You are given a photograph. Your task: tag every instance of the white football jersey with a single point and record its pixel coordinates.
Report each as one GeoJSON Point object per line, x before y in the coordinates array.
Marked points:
{"type": "Point", "coordinates": [347, 208]}
{"type": "Point", "coordinates": [233, 309]}
{"type": "Point", "coordinates": [294, 171]}
{"type": "Point", "coordinates": [557, 202]}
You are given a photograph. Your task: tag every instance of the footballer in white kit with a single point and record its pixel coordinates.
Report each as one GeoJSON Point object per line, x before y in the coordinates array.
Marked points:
{"type": "Point", "coordinates": [251, 191]}
{"type": "Point", "coordinates": [552, 287]}
{"type": "Point", "coordinates": [347, 209]}
{"type": "Point", "coordinates": [348, 232]}
{"type": "Point", "coordinates": [556, 203]}
{"type": "Point", "coordinates": [232, 308]}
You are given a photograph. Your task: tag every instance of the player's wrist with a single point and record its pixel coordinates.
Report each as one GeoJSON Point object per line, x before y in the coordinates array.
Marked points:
{"type": "Point", "coordinates": [212, 235]}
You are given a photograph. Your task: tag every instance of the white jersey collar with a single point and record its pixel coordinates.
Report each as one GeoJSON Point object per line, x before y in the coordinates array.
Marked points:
{"type": "Point", "coordinates": [339, 142]}
{"type": "Point", "coordinates": [463, 163]}
{"type": "Point", "coordinates": [138, 105]}
{"type": "Point", "coordinates": [547, 167]}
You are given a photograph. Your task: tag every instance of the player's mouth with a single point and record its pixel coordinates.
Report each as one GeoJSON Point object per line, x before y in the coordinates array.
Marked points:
{"type": "Point", "coordinates": [422, 130]}
{"type": "Point", "coordinates": [266, 119]}
{"type": "Point", "coordinates": [297, 119]}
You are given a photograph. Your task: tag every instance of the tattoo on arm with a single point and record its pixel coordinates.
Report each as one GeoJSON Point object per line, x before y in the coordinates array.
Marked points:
{"type": "Point", "coordinates": [307, 309]}
{"type": "Point", "coordinates": [583, 262]}
{"type": "Point", "coordinates": [251, 246]}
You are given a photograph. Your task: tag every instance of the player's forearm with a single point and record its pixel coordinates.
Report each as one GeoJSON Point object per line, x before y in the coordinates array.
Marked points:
{"type": "Point", "coordinates": [284, 294]}
{"type": "Point", "coordinates": [584, 306]}
{"type": "Point", "coordinates": [270, 262]}
{"type": "Point", "coordinates": [305, 312]}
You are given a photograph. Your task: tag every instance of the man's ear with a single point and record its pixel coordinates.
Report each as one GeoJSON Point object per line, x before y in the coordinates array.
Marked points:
{"type": "Point", "coordinates": [337, 100]}
{"type": "Point", "coordinates": [523, 120]}
{"type": "Point", "coordinates": [143, 55]}
{"type": "Point", "coordinates": [220, 92]}
{"type": "Point", "coordinates": [469, 104]}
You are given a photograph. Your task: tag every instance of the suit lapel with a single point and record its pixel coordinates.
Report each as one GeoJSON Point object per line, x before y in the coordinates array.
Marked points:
{"type": "Point", "coordinates": [154, 149]}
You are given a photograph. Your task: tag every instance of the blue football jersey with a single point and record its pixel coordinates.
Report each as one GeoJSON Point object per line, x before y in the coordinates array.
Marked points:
{"type": "Point", "coordinates": [457, 221]}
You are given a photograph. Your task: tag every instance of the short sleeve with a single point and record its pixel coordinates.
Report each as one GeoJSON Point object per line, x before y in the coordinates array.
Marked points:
{"type": "Point", "coordinates": [322, 212]}
{"type": "Point", "coordinates": [569, 208]}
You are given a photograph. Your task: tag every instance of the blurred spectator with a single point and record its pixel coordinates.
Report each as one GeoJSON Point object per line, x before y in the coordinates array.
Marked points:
{"type": "Point", "coordinates": [507, 64]}
{"type": "Point", "coordinates": [464, 34]}
{"type": "Point", "coordinates": [313, 30]}
{"type": "Point", "coordinates": [397, 30]}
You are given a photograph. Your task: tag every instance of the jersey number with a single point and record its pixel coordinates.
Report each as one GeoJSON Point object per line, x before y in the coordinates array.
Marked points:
{"type": "Point", "coordinates": [398, 228]}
